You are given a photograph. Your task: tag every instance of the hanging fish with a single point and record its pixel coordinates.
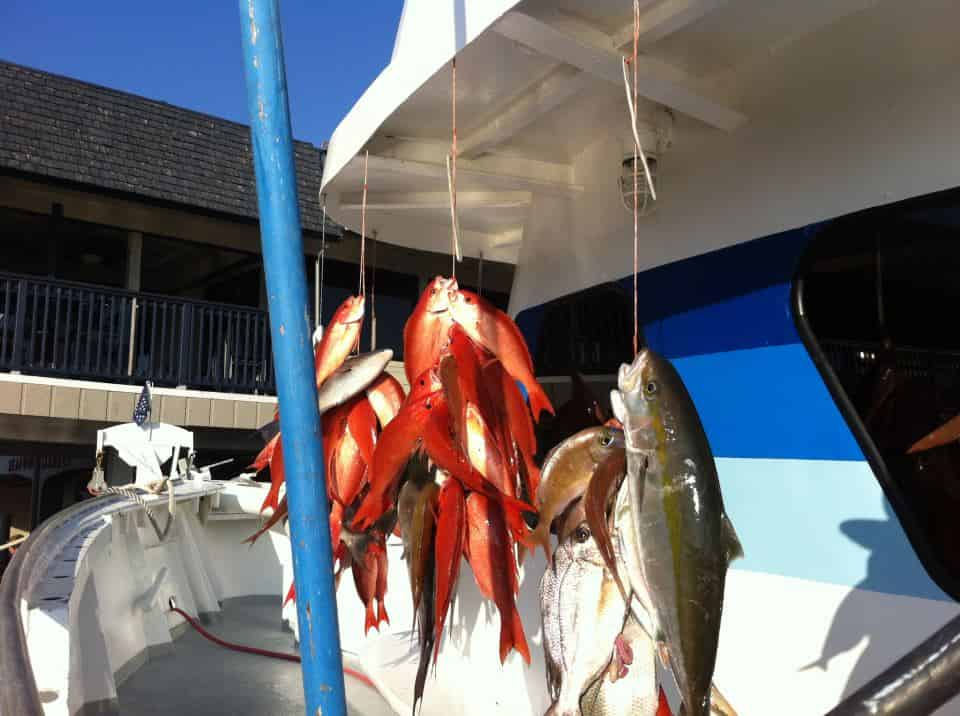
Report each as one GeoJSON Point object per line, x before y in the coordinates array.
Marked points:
{"type": "Point", "coordinates": [493, 329]}
{"type": "Point", "coordinates": [357, 374]}
{"type": "Point", "coordinates": [491, 557]}
{"type": "Point", "coordinates": [340, 337]}
{"type": "Point", "coordinates": [583, 614]}
{"type": "Point", "coordinates": [386, 396]}
{"type": "Point", "coordinates": [677, 539]}
{"type": "Point", "coordinates": [427, 330]}
{"type": "Point", "coordinates": [567, 471]}
{"type": "Point", "coordinates": [451, 507]}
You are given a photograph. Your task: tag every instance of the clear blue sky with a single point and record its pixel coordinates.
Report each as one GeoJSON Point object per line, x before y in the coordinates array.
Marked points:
{"type": "Point", "coordinates": [187, 52]}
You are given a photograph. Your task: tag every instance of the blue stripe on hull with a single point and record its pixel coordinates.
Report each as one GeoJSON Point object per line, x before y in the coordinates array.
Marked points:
{"type": "Point", "coordinates": [767, 403]}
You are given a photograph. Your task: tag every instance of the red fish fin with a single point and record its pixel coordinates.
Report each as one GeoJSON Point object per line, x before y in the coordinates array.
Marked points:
{"type": "Point", "coordinates": [512, 636]}
{"type": "Point", "coordinates": [371, 619]}
{"type": "Point", "coordinates": [278, 514]}
{"type": "Point", "coordinates": [291, 594]}
{"type": "Point", "coordinates": [663, 707]}
{"type": "Point", "coordinates": [383, 616]}
{"type": "Point", "coordinates": [448, 547]}
{"type": "Point", "coordinates": [540, 537]}
{"type": "Point", "coordinates": [538, 401]}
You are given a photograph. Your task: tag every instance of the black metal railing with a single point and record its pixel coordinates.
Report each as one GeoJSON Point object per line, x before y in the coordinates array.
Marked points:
{"type": "Point", "coordinates": [74, 330]}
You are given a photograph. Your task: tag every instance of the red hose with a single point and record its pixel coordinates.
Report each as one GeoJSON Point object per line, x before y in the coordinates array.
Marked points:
{"type": "Point", "coordinates": [353, 673]}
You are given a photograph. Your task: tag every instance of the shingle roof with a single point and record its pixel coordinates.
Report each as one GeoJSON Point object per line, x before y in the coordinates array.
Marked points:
{"type": "Point", "coordinates": [62, 128]}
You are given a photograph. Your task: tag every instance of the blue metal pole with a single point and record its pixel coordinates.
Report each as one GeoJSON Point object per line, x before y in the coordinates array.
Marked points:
{"type": "Point", "coordinates": [293, 357]}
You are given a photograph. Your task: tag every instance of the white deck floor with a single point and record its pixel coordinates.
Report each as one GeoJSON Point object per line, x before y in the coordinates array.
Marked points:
{"type": "Point", "coordinates": [199, 677]}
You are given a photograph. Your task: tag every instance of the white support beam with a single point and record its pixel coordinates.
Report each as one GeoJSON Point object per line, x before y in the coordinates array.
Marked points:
{"type": "Point", "coordinates": [426, 200]}
{"type": "Point", "coordinates": [605, 64]}
{"type": "Point", "coordinates": [437, 170]}
{"type": "Point", "coordinates": [664, 19]}
{"type": "Point", "coordinates": [524, 108]}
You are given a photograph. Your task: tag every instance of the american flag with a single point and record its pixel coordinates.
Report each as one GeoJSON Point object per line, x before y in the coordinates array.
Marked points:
{"type": "Point", "coordinates": [142, 410]}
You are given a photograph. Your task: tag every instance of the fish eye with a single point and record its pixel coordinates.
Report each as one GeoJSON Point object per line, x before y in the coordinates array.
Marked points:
{"type": "Point", "coordinates": [606, 438]}
{"type": "Point", "coordinates": [581, 534]}
{"type": "Point", "coordinates": [651, 388]}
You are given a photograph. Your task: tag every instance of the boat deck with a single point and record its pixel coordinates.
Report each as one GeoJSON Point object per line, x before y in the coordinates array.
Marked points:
{"type": "Point", "coordinates": [199, 677]}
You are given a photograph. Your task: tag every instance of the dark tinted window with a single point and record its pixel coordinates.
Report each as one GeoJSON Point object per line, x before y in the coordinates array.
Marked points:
{"type": "Point", "coordinates": [879, 294]}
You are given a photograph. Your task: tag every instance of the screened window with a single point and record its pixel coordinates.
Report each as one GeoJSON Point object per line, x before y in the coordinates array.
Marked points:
{"type": "Point", "coordinates": [879, 295]}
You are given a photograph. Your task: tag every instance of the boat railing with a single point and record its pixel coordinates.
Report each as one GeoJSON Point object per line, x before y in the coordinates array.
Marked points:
{"type": "Point", "coordinates": [74, 330]}
{"type": "Point", "coordinates": [41, 578]}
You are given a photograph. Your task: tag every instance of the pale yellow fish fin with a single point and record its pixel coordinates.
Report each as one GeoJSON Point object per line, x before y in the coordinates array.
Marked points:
{"type": "Point", "coordinates": [731, 542]}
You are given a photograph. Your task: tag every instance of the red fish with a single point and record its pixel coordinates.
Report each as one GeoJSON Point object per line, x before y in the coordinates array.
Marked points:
{"type": "Point", "coordinates": [397, 443]}
{"type": "Point", "coordinates": [426, 331]}
{"type": "Point", "coordinates": [346, 471]}
{"type": "Point", "coordinates": [490, 553]}
{"type": "Point", "coordinates": [438, 445]}
{"type": "Point", "coordinates": [514, 412]}
{"type": "Point", "coordinates": [386, 396]}
{"type": "Point", "coordinates": [362, 425]}
{"type": "Point", "coordinates": [493, 329]}
{"type": "Point", "coordinates": [449, 548]}
{"type": "Point", "coordinates": [339, 338]}
{"type": "Point", "coordinates": [365, 581]}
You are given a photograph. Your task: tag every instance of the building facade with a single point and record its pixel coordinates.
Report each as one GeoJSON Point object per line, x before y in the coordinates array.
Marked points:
{"type": "Point", "coordinates": [131, 252]}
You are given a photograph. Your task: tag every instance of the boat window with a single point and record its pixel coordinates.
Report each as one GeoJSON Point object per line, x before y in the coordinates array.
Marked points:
{"type": "Point", "coordinates": [589, 332]}
{"type": "Point", "coordinates": [876, 303]}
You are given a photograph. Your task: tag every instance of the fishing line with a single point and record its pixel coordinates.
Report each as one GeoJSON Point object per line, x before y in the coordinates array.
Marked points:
{"type": "Point", "coordinates": [318, 307]}
{"type": "Point", "coordinates": [373, 292]}
{"type": "Point", "coordinates": [363, 229]}
{"type": "Point", "coordinates": [452, 175]}
{"type": "Point", "coordinates": [633, 105]}
{"type": "Point", "coordinates": [480, 275]}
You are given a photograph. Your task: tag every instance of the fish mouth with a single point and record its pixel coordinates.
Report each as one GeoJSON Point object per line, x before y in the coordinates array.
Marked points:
{"type": "Point", "coordinates": [356, 311]}
{"type": "Point", "coordinates": [630, 376]}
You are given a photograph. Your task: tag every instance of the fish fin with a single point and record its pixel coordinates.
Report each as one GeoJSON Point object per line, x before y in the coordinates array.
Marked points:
{"type": "Point", "coordinates": [663, 706]}
{"type": "Point", "coordinates": [539, 401]}
{"type": "Point", "coordinates": [512, 636]}
{"type": "Point", "coordinates": [600, 488]}
{"type": "Point", "coordinates": [371, 619]}
{"type": "Point", "coordinates": [946, 433]}
{"type": "Point", "coordinates": [731, 541]}
{"type": "Point", "coordinates": [541, 537]}
{"type": "Point", "coordinates": [382, 617]}
{"type": "Point", "coordinates": [278, 514]}
{"type": "Point", "coordinates": [719, 704]}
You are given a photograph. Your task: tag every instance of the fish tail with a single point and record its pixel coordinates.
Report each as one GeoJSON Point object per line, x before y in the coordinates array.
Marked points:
{"type": "Point", "coordinates": [663, 707]}
{"type": "Point", "coordinates": [540, 537]}
{"type": "Point", "coordinates": [371, 619]}
{"type": "Point", "coordinates": [539, 401]}
{"type": "Point", "coordinates": [512, 636]}
{"type": "Point", "coordinates": [383, 617]}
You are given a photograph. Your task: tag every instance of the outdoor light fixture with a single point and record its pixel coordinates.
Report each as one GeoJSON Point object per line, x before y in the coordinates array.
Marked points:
{"type": "Point", "coordinates": [645, 201]}
{"type": "Point", "coordinates": [655, 130]}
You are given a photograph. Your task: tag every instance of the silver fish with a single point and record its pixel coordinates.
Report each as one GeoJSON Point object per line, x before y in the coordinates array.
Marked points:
{"type": "Point", "coordinates": [355, 375]}
{"type": "Point", "coordinates": [582, 612]}
{"type": "Point", "coordinates": [675, 512]}
{"type": "Point", "coordinates": [636, 693]}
